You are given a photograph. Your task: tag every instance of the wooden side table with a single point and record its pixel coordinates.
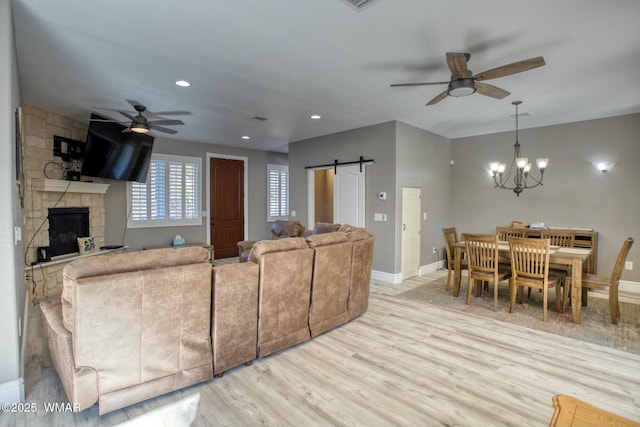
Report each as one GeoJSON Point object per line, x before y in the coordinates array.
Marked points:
{"type": "Point", "coordinates": [210, 248]}
{"type": "Point", "coordinates": [569, 411]}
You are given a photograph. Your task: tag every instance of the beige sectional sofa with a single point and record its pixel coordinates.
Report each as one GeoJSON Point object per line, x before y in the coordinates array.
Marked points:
{"type": "Point", "coordinates": [132, 326]}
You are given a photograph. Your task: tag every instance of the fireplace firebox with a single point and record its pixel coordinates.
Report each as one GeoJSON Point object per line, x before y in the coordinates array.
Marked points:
{"type": "Point", "coordinates": [65, 226]}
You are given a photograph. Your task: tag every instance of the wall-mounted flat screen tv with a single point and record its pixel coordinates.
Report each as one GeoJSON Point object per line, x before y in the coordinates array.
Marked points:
{"type": "Point", "coordinates": [114, 154]}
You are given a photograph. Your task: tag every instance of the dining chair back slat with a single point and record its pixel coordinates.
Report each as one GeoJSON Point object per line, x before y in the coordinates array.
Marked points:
{"type": "Point", "coordinates": [483, 263]}
{"type": "Point", "coordinates": [504, 233]}
{"type": "Point", "coordinates": [563, 238]}
{"type": "Point", "coordinates": [530, 268]}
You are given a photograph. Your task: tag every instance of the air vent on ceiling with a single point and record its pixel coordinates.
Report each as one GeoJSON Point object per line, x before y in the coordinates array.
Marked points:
{"type": "Point", "coordinates": [360, 4]}
{"type": "Point", "coordinates": [259, 119]}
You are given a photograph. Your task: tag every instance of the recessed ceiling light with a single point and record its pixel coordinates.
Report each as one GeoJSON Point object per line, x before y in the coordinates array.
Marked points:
{"type": "Point", "coordinates": [246, 137]}
{"type": "Point", "coordinates": [315, 116]}
{"type": "Point", "coordinates": [183, 83]}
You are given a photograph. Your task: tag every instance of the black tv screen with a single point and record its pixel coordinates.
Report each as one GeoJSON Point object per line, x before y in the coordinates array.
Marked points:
{"type": "Point", "coordinates": [110, 153]}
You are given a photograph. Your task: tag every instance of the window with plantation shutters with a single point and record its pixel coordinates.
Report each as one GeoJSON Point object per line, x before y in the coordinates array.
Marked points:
{"type": "Point", "coordinates": [171, 195]}
{"type": "Point", "coordinates": [278, 192]}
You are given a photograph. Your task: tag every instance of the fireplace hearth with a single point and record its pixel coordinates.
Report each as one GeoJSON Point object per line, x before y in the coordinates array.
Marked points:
{"type": "Point", "coordinates": [65, 226]}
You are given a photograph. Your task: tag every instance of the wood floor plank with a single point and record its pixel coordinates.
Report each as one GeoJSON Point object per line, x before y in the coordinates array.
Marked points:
{"type": "Point", "coordinates": [402, 363]}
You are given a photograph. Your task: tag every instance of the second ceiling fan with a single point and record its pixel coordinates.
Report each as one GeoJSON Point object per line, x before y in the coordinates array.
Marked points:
{"type": "Point", "coordinates": [463, 82]}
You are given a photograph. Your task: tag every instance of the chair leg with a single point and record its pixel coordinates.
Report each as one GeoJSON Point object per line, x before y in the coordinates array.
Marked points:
{"type": "Point", "coordinates": [545, 299]}
{"type": "Point", "coordinates": [495, 296]}
{"type": "Point", "coordinates": [559, 300]}
{"type": "Point", "coordinates": [614, 307]}
{"type": "Point", "coordinates": [446, 287]}
{"type": "Point", "coordinates": [513, 290]}
{"type": "Point", "coordinates": [470, 283]}
{"type": "Point", "coordinates": [567, 293]}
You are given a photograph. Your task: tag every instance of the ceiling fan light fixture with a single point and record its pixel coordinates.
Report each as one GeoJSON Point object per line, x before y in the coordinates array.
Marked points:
{"type": "Point", "coordinates": [140, 127]}
{"type": "Point", "coordinates": [461, 87]}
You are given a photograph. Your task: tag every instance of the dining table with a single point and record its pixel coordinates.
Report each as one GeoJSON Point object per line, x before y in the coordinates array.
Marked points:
{"type": "Point", "coordinates": [571, 257]}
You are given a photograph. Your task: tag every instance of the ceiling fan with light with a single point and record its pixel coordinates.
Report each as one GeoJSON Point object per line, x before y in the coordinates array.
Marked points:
{"type": "Point", "coordinates": [463, 82]}
{"type": "Point", "coordinates": [144, 120]}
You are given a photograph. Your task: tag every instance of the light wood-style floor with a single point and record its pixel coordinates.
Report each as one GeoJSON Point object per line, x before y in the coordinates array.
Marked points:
{"type": "Point", "coordinates": [402, 363]}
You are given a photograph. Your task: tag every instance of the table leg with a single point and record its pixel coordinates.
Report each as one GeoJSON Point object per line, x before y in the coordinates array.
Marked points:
{"type": "Point", "coordinates": [576, 289]}
{"type": "Point", "coordinates": [456, 271]}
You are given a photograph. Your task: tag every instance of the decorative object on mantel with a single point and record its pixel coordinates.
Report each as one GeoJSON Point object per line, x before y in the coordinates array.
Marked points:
{"type": "Point", "coordinates": [86, 244]}
{"type": "Point", "coordinates": [520, 168]}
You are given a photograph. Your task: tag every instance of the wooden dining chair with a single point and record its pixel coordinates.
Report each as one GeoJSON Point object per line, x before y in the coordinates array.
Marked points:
{"type": "Point", "coordinates": [565, 239]}
{"type": "Point", "coordinates": [450, 238]}
{"type": "Point", "coordinates": [592, 281]}
{"type": "Point", "coordinates": [504, 233]}
{"type": "Point", "coordinates": [530, 268]}
{"type": "Point", "coordinates": [482, 258]}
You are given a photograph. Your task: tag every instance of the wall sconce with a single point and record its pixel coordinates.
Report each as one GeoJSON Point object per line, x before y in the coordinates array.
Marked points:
{"type": "Point", "coordinates": [604, 165]}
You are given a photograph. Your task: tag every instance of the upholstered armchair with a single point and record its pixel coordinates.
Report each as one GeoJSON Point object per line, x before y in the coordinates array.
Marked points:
{"type": "Point", "coordinates": [131, 326]}
{"type": "Point", "coordinates": [234, 315]}
{"type": "Point", "coordinates": [361, 264]}
{"type": "Point", "coordinates": [330, 281]}
{"type": "Point", "coordinates": [284, 292]}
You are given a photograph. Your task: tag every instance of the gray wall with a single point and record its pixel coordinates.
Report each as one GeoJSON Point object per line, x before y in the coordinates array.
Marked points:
{"type": "Point", "coordinates": [373, 142]}
{"type": "Point", "coordinates": [258, 228]}
{"type": "Point", "coordinates": [12, 291]}
{"type": "Point", "coordinates": [574, 193]}
{"type": "Point", "coordinates": [422, 160]}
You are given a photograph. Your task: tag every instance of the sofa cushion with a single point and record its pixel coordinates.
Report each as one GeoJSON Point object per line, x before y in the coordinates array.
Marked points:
{"type": "Point", "coordinates": [269, 246]}
{"type": "Point", "coordinates": [325, 239]}
{"type": "Point", "coordinates": [325, 227]}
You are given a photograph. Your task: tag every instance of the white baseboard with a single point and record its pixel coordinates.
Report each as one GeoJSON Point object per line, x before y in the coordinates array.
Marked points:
{"type": "Point", "coordinates": [629, 287]}
{"type": "Point", "coordinates": [396, 278]}
{"type": "Point", "coordinates": [382, 276]}
{"type": "Point", "coordinates": [430, 268]}
{"type": "Point", "coordinates": [12, 392]}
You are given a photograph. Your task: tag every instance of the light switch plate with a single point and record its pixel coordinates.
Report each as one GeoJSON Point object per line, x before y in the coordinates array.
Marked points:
{"type": "Point", "coordinates": [628, 265]}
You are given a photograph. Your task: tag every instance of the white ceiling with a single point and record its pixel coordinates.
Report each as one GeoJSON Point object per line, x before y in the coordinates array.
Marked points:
{"type": "Point", "coordinates": [287, 59]}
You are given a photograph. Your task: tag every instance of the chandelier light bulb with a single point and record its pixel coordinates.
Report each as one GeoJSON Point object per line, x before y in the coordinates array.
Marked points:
{"type": "Point", "coordinates": [522, 162]}
{"type": "Point", "coordinates": [542, 163]}
{"type": "Point", "coordinates": [519, 176]}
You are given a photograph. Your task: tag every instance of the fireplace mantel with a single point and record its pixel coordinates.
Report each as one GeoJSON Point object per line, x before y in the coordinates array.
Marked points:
{"type": "Point", "coordinates": [61, 186]}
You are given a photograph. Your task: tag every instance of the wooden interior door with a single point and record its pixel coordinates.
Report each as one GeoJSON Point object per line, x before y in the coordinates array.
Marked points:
{"type": "Point", "coordinates": [227, 206]}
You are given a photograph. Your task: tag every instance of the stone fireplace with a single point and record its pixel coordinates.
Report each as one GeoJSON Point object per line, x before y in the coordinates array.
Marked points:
{"type": "Point", "coordinates": [65, 226]}
{"type": "Point", "coordinates": [40, 198]}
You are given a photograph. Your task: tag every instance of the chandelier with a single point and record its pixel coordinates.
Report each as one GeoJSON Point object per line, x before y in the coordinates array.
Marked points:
{"type": "Point", "coordinates": [518, 176]}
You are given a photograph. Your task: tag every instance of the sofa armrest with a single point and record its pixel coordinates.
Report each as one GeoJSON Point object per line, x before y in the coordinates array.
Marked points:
{"type": "Point", "coordinates": [80, 384]}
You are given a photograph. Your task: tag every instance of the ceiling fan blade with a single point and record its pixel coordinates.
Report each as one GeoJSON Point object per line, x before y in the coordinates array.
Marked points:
{"type": "Point", "coordinates": [108, 121]}
{"type": "Point", "coordinates": [418, 84]}
{"type": "Point", "coordinates": [514, 68]}
{"type": "Point", "coordinates": [168, 122]}
{"type": "Point", "coordinates": [438, 98]}
{"type": "Point", "coordinates": [155, 115]}
{"type": "Point", "coordinates": [163, 129]}
{"type": "Point", "coordinates": [127, 115]}
{"type": "Point", "coordinates": [457, 63]}
{"type": "Point", "coordinates": [490, 90]}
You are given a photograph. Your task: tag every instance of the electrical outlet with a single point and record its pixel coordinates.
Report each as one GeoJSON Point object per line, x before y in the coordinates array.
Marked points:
{"type": "Point", "coordinates": [628, 265]}
{"type": "Point", "coordinates": [434, 250]}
